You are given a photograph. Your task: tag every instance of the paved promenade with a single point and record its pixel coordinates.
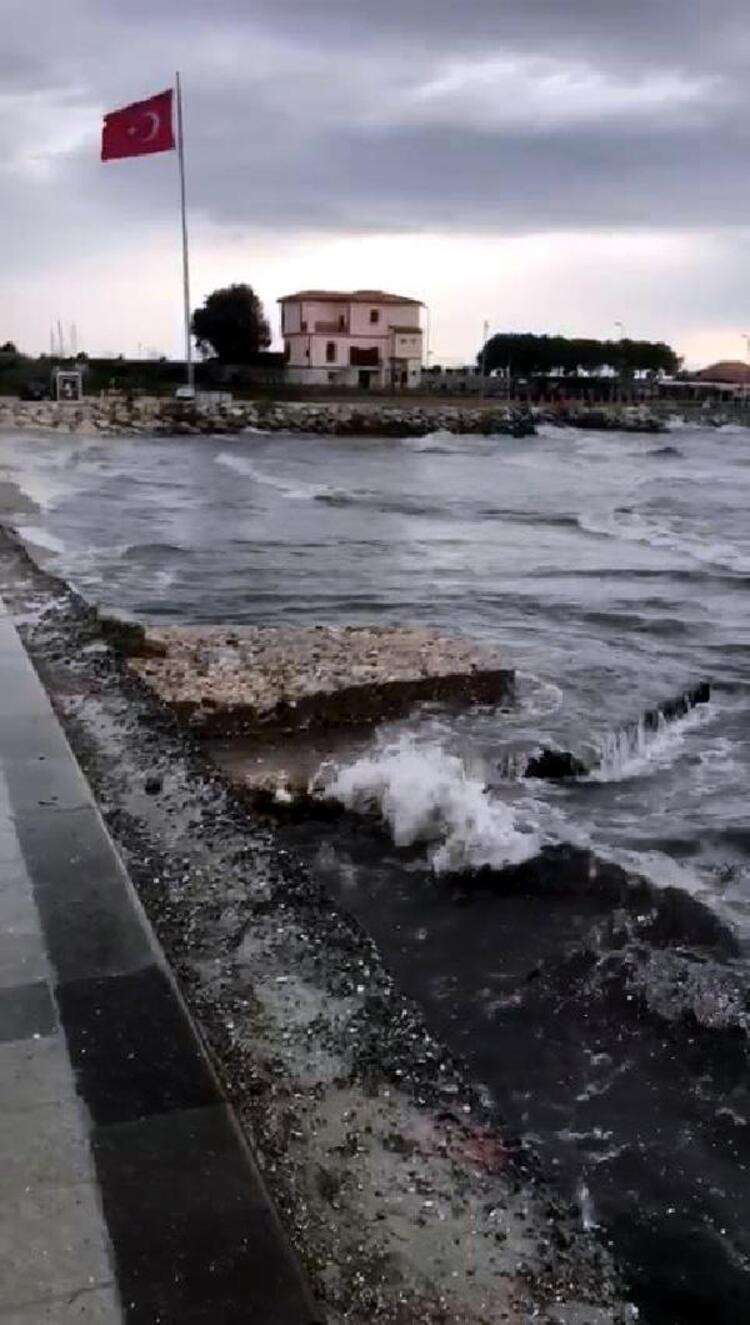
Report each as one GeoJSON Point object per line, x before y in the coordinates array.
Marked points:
{"type": "Point", "coordinates": [127, 1192]}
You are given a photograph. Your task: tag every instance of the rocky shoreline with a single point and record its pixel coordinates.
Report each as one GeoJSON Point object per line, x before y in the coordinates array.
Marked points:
{"type": "Point", "coordinates": [139, 416]}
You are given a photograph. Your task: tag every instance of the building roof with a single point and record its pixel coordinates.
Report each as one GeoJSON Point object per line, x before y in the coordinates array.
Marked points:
{"type": "Point", "coordinates": [411, 331]}
{"type": "Point", "coordinates": [350, 297]}
{"type": "Point", "coordinates": [727, 370]}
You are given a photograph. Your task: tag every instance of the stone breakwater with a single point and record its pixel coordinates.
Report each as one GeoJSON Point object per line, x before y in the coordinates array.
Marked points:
{"type": "Point", "coordinates": [117, 417]}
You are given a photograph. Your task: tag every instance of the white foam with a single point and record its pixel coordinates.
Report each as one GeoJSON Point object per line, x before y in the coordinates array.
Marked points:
{"type": "Point", "coordinates": [555, 430]}
{"type": "Point", "coordinates": [658, 868]}
{"type": "Point", "coordinates": [32, 533]}
{"type": "Point", "coordinates": [426, 795]}
{"type": "Point", "coordinates": [440, 441]}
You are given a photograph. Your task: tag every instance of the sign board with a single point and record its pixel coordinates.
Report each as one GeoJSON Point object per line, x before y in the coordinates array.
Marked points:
{"type": "Point", "coordinates": [67, 384]}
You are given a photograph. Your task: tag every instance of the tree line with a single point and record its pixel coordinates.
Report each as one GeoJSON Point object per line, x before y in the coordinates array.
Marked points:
{"type": "Point", "coordinates": [526, 355]}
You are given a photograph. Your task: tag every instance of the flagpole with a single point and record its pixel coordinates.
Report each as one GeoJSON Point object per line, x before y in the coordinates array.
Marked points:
{"type": "Point", "coordinates": [185, 260]}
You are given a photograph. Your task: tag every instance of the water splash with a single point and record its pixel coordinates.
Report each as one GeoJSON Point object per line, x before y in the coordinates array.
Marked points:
{"type": "Point", "coordinates": [646, 746]}
{"type": "Point", "coordinates": [426, 795]}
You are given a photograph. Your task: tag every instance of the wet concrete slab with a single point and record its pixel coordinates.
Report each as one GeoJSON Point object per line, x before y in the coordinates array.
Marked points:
{"type": "Point", "coordinates": [92, 925]}
{"type": "Point", "coordinates": [35, 1072]}
{"type": "Point", "coordinates": [132, 1049]}
{"type": "Point", "coordinates": [23, 959]}
{"type": "Point", "coordinates": [292, 678]}
{"type": "Point", "coordinates": [89, 1306]}
{"type": "Point", "coordinates": [52, 1242]}
{"type": "Point", "coordinates": [199, 1214]}
{"type": "Point", "coordinates": [26, 1012]}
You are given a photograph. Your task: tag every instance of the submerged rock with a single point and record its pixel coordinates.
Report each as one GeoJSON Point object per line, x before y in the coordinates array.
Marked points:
{"type": "Point", "coordinates": [555, 765]}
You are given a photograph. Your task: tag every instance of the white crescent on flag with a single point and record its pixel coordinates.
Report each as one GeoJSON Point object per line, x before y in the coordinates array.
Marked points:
{"type": "Point", "coordinates": [155, 120]}
{"type": "Point", "coordinates": [146, 133]}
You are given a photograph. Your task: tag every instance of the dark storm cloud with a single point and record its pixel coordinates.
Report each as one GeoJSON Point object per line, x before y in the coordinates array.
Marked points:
{"type": "Point", "coordinates": [403, 115]}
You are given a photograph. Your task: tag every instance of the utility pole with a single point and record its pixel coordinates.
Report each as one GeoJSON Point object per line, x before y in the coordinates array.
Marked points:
{"type": "Point", "coordinates": [483, 361]}
{"type": "Point", "coordinates": [190, 368]}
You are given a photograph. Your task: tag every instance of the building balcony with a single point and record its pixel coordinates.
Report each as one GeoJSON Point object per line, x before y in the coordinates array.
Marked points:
{"type": "Point", "coordinates": [335, 327]}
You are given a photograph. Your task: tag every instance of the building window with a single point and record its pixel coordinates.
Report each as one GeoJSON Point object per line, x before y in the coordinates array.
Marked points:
{"type": "Point", "coordinates": [331, 377]}
{"type": "Point", "coordinates": [374, 314]}
{"type": "Point", "coordinates": [342, 322]}
{"type": "Point", "coordinates": [304, 326]}
{"type": "Point", "coordinates": [331, 351]}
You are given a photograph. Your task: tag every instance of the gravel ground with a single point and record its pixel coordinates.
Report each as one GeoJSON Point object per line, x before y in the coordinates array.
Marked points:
{"type": "Point", "coordinates": [397, 1184]}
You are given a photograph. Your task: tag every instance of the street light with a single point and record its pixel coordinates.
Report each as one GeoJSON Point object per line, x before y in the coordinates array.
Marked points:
{"type": "Point", "coordinates": [746, 339]}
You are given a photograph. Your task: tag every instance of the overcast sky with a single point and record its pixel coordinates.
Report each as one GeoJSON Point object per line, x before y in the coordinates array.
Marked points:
{"type": "Point", "coordinates": [546, 165]}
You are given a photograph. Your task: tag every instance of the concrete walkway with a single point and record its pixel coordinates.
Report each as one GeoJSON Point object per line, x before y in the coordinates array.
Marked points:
{"type": "Point", "coordinates": [127, 1192]}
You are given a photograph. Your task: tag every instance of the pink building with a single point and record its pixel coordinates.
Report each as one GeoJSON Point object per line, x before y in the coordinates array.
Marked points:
{"type": "Point", "coordinates": [362, 338]}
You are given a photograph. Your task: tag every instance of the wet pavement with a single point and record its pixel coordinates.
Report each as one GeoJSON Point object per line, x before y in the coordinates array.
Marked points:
{"type": "Point", "coordinates": [129, 1193]}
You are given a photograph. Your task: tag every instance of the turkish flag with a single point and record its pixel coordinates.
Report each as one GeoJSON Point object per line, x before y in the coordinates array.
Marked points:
{"type": "Point", "coordinates": [137, 130]}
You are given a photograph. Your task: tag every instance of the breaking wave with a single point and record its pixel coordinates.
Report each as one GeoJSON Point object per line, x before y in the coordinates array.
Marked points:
{"type": "Point", "coordinates": [424, 794]}
{"type": "Point", "coordinates": [633, 528]}
{"type": "Point", "coordinates": [294, 491]}
{"type": "Point", "coordinates": [154, 551]}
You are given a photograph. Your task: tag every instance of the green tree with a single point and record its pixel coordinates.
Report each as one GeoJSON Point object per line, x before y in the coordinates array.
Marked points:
{"type": "Point", "coordinates": [8, 348]}
{"type": "Point", "coordinates": [522, 354]}
{"type": "Point", "coordinates": [231, 325]}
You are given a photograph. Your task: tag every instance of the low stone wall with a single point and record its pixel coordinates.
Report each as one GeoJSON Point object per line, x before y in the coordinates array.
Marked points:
{"type": "Point", "coordinates": [105, 417]}
{"type": "Point", "coordinates": [140, 416]}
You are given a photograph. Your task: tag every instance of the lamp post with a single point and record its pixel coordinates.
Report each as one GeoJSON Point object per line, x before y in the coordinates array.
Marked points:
{"type": "Point", "coordinates": [746, 339]}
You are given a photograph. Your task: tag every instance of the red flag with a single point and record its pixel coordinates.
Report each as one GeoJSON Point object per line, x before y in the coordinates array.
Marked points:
{"type": "Point", "coordinates": [136, 130]}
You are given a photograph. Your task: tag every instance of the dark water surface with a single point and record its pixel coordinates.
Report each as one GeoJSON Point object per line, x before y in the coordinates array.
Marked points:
{"type": "Point", "coordinates": [608, 1019]}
